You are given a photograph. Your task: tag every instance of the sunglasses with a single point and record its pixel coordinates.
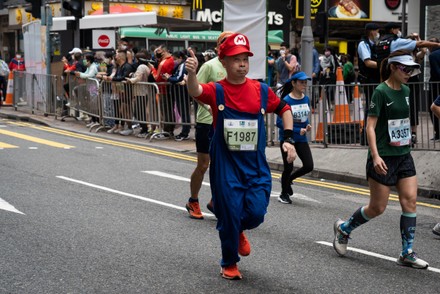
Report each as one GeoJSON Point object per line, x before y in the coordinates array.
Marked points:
{"type": "Point", "coordinates": [406, 69]}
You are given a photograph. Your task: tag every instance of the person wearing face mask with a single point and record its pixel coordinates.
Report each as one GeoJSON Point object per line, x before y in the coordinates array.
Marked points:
{"type": "Point", "coordinates": [367, 55]}
{"type": "Point", "coordinates": [17, 63]}
{"type": "Point", "coordinates": [368, 67]}
{"type": "Point", "coordinates": [165, 66]}
{"type": "Point", "coordinates": [286, 64]}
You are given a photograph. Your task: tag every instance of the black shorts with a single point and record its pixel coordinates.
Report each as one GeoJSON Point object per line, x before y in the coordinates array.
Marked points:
{"type": "Point", "coordinates": [204, 134]}
{"type": "Point", "coordinates": [399, 167]}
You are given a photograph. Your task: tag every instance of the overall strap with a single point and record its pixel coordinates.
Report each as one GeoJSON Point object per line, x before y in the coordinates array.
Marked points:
{"type": "Point", "coordinates": [220, 94]}
{"type": "Point", "coordinates": [264, 95]}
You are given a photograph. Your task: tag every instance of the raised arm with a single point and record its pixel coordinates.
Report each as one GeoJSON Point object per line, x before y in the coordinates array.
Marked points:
{"type": "Point", "coordinates": [194, 88]}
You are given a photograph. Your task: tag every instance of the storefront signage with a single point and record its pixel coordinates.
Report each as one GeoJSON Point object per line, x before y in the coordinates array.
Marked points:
{"type": "Point", "coordinates": [103, 39]}
{"type": "Point", "coordinates": [338, 9]}
{"type": "Point", "coordinates": [215, 16]}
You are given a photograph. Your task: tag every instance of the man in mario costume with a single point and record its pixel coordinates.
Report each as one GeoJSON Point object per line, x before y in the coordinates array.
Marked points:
{"type": "Point", "coordinates": [239, 174]}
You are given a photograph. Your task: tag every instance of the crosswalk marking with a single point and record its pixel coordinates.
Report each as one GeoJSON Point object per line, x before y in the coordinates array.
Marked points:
{"type": "Point", "coordinates": [35, 139]}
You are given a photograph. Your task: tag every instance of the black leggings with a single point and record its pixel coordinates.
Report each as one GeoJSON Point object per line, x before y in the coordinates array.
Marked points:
{"type": "Point", "coordinates": [305, 154]}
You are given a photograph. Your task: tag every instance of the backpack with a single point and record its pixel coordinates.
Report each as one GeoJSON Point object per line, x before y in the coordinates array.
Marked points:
{"type": "Point", "coordinates": [383, 48]}
{"type": "Point", "coordinates": [4, 69]}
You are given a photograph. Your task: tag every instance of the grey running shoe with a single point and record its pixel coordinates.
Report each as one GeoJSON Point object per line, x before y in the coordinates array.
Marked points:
{"type": "Point", "coordinates": [284, 198]}
{"type": "Point", "coordinates": [412, 260]}
{"type": "Point", "coordinates": [341, 239]}
{"type": "Point", "coordinates": [436, 229]}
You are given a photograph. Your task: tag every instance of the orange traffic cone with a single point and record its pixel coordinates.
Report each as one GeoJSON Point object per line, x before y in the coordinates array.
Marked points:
{"type": "Point", "coordinates": [342, 110]}
{"type": "Point", "coordinates": [9, 100]}
{"type": "Point", "coordinates": [358, 115]}
{"type": "Point", "coordinates": [320, 130]}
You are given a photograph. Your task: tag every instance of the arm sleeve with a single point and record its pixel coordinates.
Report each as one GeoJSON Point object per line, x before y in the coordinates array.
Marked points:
{"type": "Point", "coordinates": [90, 72]}
{"type": "Point", "coordinates": [178, 76]}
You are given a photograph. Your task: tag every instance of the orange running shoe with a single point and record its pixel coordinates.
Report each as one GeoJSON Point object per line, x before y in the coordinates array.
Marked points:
{"type": "Point", "coordinates": [244, 247]}
{"type": "Point", "coordinates": [194, 210]}
{"type": "Point", "coordinates": [231, 272]}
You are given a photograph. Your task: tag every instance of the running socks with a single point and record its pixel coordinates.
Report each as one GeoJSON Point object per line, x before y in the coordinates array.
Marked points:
{"type": "Point", "coordinates": [191, 200]}
{"type": "Point", "coordinates": [407, 230]}
{"type": "Point", "coordinates": [358, 218]}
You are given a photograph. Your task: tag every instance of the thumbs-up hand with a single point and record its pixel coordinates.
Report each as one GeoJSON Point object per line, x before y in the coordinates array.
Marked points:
{"type": "Point", "coordinates": [191, 63]}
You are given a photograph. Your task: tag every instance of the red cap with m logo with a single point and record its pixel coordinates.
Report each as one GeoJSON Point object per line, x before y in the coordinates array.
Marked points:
{"type": "Point", "coordinates": [235, 44]}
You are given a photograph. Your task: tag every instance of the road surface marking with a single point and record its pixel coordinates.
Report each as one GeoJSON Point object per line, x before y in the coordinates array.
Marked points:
{"type": "Point", "coordinates": [179, 178]}
{"type": "Point", "coordinates": [377, 255]}
{"type": "Point", "coordinates": [35, 139]}
{"type": "Point", "coordinates": [6, 145]}
{"type": "Point", "coordinates": [6, 206]}
{"type": "Point", "coordinates": [126, 194]}
{"type": "Point", "coordinates": [170, 176]}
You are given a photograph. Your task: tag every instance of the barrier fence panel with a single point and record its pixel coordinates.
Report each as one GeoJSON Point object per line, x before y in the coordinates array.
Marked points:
{"type": "Point", "coordinates": [36, 93]}
{"type": "Point", "coordinates": [175, 107]}
{"type": "Point", "coordinates": [338, 113]}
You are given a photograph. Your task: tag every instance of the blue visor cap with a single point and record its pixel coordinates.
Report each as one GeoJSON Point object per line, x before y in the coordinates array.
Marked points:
{"type": "Point", "coordinates": [301, 76]}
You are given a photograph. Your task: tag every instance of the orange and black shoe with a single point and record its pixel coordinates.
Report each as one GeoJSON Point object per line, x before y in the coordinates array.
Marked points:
{"type": "Point", "coordinates": [231, 272]}
{"type": "Point", "coordinates": [244, 247]}
{"type": "Point", "coordinates": [194, 209]}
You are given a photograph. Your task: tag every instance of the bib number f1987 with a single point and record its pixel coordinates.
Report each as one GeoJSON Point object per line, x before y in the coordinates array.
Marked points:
{"type": "Point", "coordinates": [241, 135]}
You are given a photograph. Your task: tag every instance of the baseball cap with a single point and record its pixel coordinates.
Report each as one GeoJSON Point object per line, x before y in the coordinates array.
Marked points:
{"type": "Point", "coordinates": [235, 44]}
{"type": "Point", "coordinates": [75, 50]}
{"type": "Point", "coordinates": [300, 76]}
{"type": "Point", "coordinates": [371, 26]}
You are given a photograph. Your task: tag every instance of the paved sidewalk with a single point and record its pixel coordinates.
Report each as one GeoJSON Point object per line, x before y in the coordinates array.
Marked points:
{"type": "Point", "coordinates": [339, 163]}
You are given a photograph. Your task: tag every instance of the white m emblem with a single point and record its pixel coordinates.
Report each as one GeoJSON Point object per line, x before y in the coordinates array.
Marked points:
{"type": "Point", "coordinates": [240, 40]}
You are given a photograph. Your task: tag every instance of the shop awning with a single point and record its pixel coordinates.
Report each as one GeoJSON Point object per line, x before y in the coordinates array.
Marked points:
{"type": "Point", "coordinates": [274, 37]}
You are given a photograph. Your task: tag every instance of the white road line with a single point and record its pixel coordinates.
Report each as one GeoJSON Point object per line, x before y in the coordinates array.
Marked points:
{"type": "Point", "coordinates": [6, 206]}
{"type": "Point", "coordinates": [170, 176]}
{"type": "Point", "coordinates": [273, 194]}
{"type": "Point", "coordinates": [377, 255]}
{"type": "Point", "coordinates": [126, 194]}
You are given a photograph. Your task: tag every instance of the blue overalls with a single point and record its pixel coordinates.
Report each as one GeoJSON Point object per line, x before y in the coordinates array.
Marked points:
{"type": "Point", "coordinates": [240, 180]}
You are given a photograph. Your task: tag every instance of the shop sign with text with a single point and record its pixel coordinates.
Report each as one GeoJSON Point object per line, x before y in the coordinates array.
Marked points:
{"type": "Point", "coordinates": [338, 9]}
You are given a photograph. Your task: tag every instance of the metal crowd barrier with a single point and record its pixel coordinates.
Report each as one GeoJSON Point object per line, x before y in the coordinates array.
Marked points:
{"type": "Point", "coordinates": [337, 112]}
{"type": "Point", "coordinates": [338, 115]}
{"type": "Point", "coordinates": [36, 93]}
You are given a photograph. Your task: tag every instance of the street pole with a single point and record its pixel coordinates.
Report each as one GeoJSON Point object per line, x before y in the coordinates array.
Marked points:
{"type": "Point", "coordinates": [326, 25]}
{"type": "Point", "coordinates": [307, 41]}
{"type": "Point", "coordinates": [48, 16]}
{"type": "Point", "coordinates": [106, 7]}
{"type": "Point", "coordinates": [404, 18]}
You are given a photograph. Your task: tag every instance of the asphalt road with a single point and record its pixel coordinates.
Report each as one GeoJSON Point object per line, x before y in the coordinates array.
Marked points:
{"type": "Point", "coordinates": [80, 214]}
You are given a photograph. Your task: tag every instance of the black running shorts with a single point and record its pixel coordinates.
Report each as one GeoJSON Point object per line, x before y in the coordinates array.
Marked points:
{"type": "Point", "coordinates": [204, 134]}
{"type": "Point", "coordinates": [399, 167]}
